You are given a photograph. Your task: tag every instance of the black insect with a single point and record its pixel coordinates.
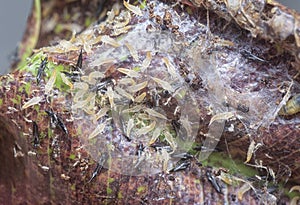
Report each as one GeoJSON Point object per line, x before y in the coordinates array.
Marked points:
{"type": "Point", "coordinates": [176, 126]}
{"type": "Point", "coordinates": [213, 181]}
{"type": "Point", "coordinates": [139, 152]}
{"type": "Point", "coordinates": [76, 71]}
{"type": "Point", "coordinates": [103, 84]}
{"type": "Point", "coordinates": [75, 77]}
{"type": "Point", "coordinates": [56, 121]}
{"type": "Point", "coordinates": [140, 148]}
{"type": "Point", "coordinates": [181, 165]}
{"type": "Point", "coordinates": [53, 117]}
{"type": "Point", "coordinates": [243, 108]}
{"type": "Point", "coordinates": [36, 134]}
{"type": "Point", "coordinates": [78, 66]}
{"type": "Point", "coordinates": [183, 156]}
{"type": "Point", "coordinates": [251, 56]}
{"type": "Point", "coordinates": [156, 98]}
{"type": "Point", "coordinates": [179, 129]}
{"type": "Point", "coordinates": [126, 137]}
{"type": "Point", "coordinates": [118, 124]}
{"type": "Point", "coordinates": [99, 165]}
{"type": "Point", "coordinates": [158, 146]}
{"type": "Point", "coordinates": [62, 125]}
{"type": "Point", "coordinates": [41, 70]}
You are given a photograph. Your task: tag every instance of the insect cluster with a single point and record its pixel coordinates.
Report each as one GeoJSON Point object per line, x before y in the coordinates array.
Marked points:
{"type": "Point", "coordinates": [55, 119]}
{"type": "Point", "coordinates": [132, 102]}
{"type": "Point", "coordinates": [138, 96]}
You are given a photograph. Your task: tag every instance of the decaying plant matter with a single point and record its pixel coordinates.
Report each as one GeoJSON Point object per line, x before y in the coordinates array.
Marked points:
{"type": "Point", "coordinates": [265, 19]}
{"type": "Point", "coordinates": [128, 110]}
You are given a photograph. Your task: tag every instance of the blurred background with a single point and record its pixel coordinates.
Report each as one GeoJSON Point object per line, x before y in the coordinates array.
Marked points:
{"type": "Point", "coordinates": [293, 4]}
{"type": "Point", "coordinates": [13, 16]}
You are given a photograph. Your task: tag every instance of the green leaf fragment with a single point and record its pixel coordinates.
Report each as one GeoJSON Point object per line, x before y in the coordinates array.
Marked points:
{"type": "Point", "coordinates": [120, 196]}
{"type": "Point", "coordinates": [141, 189]}
{"type": "Point", "coordinates": [87, 22]}
{"type": "Point", "coordinates": [72, 156]}
{"type": "Point", "coordinates": [73, 187]}
{"type": "Point", "coordinates": [58, 28]}
{"type": "Point", "coordinates": [110, 180]}
{"type": "Point", "coordinates": [109, 190]}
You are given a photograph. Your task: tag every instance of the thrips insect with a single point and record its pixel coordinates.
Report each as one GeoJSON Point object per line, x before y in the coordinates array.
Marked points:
{"type": "Point", "coordinates": [99, 165]}
{"type": "Point", "coordinates": [103, 84]}
{"type": "Point", "coordinates": [62, 125]}
{"type": "Point", "coordinates": [74, 75]}
{"type": "Point", "coordinates": [78, 66]}
{"type": "Point", "coordinates": [36, 134]}
{"type": "Point", "coordinates": [213, 181]}
{"type": "Point", "coordinates": [41, 70]}
{"type": "Point", "coordinates": [140, 149]}
{"type": "Point", "coordinates": [56, 120]}
{"type": "Point", "coordinates": [183, 156]}
{"type": "Point", "coordinates": [251, 56]}
{"type": "Point", "coordinates": [160, 146]}
{"type": "Point", "coordinates": [181, 165]}
{"type": "Point", "coordinates": [53, 117]}
{"type": "Point", "coordinates": [139, 153]}
{"type": "Point", "coordinates": [243, 108]}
